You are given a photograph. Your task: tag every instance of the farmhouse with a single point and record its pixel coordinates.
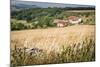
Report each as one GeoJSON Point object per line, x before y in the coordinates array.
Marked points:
{"type": "Point", "coordinates": [70, 20]}
{"type": "Point", "coordinates": [74, 20]}
{"type": "Point", "coordinates": [61, 23]}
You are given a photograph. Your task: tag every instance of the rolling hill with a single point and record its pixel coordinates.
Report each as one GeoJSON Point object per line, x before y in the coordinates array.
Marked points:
{"type": "Point", "coordinates": [16, 5]}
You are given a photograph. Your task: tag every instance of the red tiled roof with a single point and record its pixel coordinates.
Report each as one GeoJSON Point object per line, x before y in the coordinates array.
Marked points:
{"type": "Point", "coordinates": [74, 18]}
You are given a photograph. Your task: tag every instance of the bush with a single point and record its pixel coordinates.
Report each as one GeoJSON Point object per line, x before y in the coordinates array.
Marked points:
{"type": "Point", "coordinates": [17, 26]}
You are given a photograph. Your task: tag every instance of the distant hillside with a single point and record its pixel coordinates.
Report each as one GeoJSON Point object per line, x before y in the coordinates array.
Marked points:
{"type": "Point", "coordinates": [17, 5]}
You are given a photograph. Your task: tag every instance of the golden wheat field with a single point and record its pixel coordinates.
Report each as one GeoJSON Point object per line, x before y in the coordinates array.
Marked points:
{"type": "Point", "coordinates": [52, 39]}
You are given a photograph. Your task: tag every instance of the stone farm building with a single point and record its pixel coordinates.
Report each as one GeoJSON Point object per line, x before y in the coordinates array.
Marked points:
{"type": "Point", "coordinates": [70, 20]}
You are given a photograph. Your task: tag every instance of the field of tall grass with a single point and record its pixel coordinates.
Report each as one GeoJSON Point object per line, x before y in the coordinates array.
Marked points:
{"type": "Point", "coordinates": [53, 45]}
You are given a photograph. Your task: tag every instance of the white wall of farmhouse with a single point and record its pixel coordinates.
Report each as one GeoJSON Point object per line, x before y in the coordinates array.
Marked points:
{"type": "Point", "coordinates": [60, 25]}
{"type": "Point", "coordinates": [75, 22]}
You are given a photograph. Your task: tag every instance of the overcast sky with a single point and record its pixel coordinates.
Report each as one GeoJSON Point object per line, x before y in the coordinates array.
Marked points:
{"type": "Point", "coordinates": [84, 2]}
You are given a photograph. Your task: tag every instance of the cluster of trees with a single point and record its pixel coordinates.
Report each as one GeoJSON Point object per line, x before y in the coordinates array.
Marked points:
{"type": "Point", "coordinates": [37, 17]}
{"type": "Point", "coordinates": [35, 13]}
{"type": "Point", "coordinates": [41, 17]}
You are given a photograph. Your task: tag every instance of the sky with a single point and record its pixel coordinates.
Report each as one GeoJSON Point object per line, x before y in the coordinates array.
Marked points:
{"type": "Point", "coordinates": [83, 2]}
{"type": "Point", "coordinates": [46, 4]}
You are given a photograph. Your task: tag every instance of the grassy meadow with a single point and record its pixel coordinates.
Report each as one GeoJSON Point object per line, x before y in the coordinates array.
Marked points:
{"type": "Point", "coordinates": [53, 45]}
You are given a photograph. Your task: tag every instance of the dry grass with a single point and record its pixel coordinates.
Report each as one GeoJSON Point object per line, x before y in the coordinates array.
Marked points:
{"type": "Point", "coordinates": [52, 38]}
{"type": "Point", "coordinates": [54, 45]}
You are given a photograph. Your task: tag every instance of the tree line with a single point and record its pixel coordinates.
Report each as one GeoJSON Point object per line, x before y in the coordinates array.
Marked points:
{"type": "Point", "coordinates": [41, 17]}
